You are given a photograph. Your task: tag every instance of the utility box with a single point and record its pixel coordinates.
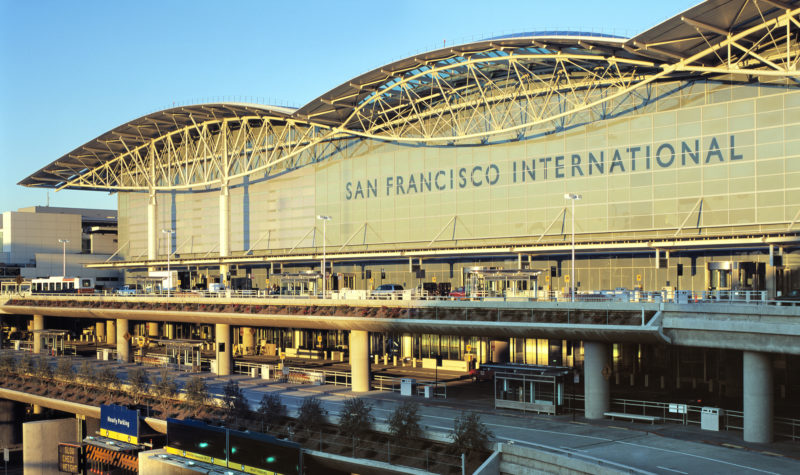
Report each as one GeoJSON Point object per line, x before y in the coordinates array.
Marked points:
{"type": "Point", "coordinates": [682, 296]}
{"type": "Point", "coordinates": [428, 391]}
{"type": "Point", "coordinates": [709, 418]}
{"type": "Point", "coordinates": [264, 371]}
{"type": "Point", "coordinates": [253, 372]}
{"type": "Point", "coordinates": [407, 386]}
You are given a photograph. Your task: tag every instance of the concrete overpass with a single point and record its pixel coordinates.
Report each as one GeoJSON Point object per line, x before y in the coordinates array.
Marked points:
{"type": "Point", "coordinates": [756, 329]}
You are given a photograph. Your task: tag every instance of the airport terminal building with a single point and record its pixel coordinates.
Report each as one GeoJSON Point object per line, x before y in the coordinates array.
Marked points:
{"type": "Point", "coordinates": [673, 157]}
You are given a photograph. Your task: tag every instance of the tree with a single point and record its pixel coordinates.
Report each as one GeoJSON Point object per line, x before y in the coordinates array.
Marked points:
{"type": "Point", "coordinates": [233, 400]}
{"type": "Point", "coordinates": [271, 410]}
{"type": "Point", "coordinates": [165, 387]}
{"type": "Point", "coordinates": [139, 383]}
{"type": "Point", "coordinates": [108, 379]}
{"type": "Point", "coordinates": [43, 370]}
{"type": "Point", "coordinates": [470, 434]}
{"type": "Point", "coordinates": [310, 415]}
{"type": "Point", "coordinates": [87, 373]}
{"type": "Point", "coordinates": [196, 391]}
{"type": "Point", "coordinates": [64, 371]}
{"type": "Point", "coordinates": [404, 421]}
{"type": "Point", "coordinates": [356, 418]}
{"type": "Point", "coordinates": [8, 364]}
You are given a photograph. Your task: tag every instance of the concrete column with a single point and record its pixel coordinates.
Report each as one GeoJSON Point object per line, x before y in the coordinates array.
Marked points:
{"type": "Point", "coordinates": [152, 329]}
{"type": "Point", "coordinates": [224, 229]}
{"type": "Point", "coordinates": [100, 331]}
{"type": "Point", "coordinates": [359, 360]}
{"type": "Point", "coordinates": [406, 346]}
{"type": "Point", "coordinates": [500, 351]}
{"type": "Point", "coordinates": [38, 324]}
{"type": "Point", "coordinates": [297, 335]}
{"type": "Point", "coordinates": [222, 334]}
{"type": "Point", "coordinates": [169, 329]}
{"type": "Point", "coordinates": [123, 341]}
{"type": "Point", "coordinates": [152, 232]}
{"type": "Point", "coordinates": [597, 395]}
{"type": "Point", "coordinates": [758, 397]}
{"type": "Point", "coordinates": [249, 340]}
{"type": "Point", "coordinates": [111, 332]}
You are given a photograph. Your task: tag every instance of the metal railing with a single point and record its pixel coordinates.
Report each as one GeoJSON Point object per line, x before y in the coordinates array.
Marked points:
{"type": "Point", "coordinates": [753, 297]}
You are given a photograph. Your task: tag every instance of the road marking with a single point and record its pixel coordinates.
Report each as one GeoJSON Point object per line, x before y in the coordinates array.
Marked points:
{"type": "Point", "coordinates": [618, 427]}
{"type": "Point", "coordinates": [551, 432]}
{"type": "Point", "coordinates": [733, 446]}
{"type": "Point", "coordinates": [671, 470]}
{"type": "Point", "coordinates": [698, 456]}
{"type": "Point", "coordinates": [773, 454]}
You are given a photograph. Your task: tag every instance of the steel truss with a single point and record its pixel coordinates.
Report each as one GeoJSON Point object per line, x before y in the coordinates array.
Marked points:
{"type": "Point", "coordinates": [490, 90]}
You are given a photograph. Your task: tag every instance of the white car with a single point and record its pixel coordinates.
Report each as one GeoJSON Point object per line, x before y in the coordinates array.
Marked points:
{"type": "Point", "coordinates": [387, 291]}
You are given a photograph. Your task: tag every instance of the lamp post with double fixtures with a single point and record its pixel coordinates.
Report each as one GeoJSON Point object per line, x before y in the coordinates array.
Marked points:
{"type": "Point", "coordinates": [169, 233]}
{"type": "Point", "coordinates": [63, 256]}
{"type": "Point", "coordinates": [574, 197]}
{"type": "Point", "coordinates": [325, 220]}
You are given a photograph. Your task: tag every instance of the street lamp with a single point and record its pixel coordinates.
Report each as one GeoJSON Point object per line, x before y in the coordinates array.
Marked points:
{"type": "Point", "coordinates": [169, 233]}
{"type": "Point", "coordinates": [325, 220]}
{"type": "Point", "coordinates": [63, 256]}
{"type": "Point", "coordinates": [574, 197]}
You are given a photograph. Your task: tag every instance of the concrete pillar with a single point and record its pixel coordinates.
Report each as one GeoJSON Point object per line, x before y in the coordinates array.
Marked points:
{"type": "Point", "coordinates": [152, 329]}
{"type": "Point", "coordinates": [222, 334]}
{"type": "Point", "coordinates": [10, 413]}
{"type": "Point", "coordinates": [169, 329]}
{"type": "Point", "coordinates": [40, 441]}
{"type": "Point", "coordinates": [224, 229]}
{"type": "Point", "coordinates": [249, 340]}
{"type": "Point", "coordinates": [38, 324]}
{"type": "Point", "coordinates": [758, 397]}
{"type": "Point", "coordinates": [483, 352]}
{"type": "Point", "coordinates": [597, 395]}
{"type": "Point", "coordinates": [406, 345]}
{"type": "Point", "coordinates": [111, 332]}
{"type": "Point", "coordinates": [297, 335]}
{"type": "Point", "coordinates": [359, 360]}
{"type": "Point", "coordinates": [100, 331]}
{"type": "Point", "coordinates": [499, 351]}
{"type": "Point", "coordinates": [123, 341]}
{"type": "Point", "coordinates": [152, 232]}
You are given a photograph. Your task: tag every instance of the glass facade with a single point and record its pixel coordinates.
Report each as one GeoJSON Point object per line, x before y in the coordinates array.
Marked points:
{"type": "Point", "coordinates": [707, 158]}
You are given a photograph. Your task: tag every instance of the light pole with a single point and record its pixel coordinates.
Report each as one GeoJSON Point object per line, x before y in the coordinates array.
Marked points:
{"type": "Point", "coordinates": [169, 233]}
{"type": "Point", "coordinates": [574, 197]}
{"type": "Point", "coordinates": [63, 256]}
{"type": "Point", "coordinates": [325, 220]}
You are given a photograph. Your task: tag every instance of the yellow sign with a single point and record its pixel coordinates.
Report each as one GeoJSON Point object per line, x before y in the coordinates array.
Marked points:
{"type": "Point", "coordinates": [434, 279]}
{"type": "Point", "coordinates": [547, 278]}
{"type": "Point", "coordinates": [638, 277]}
{"type": "Point", "coordinates": [319, 339]}
{"type": "Point", "coordinates": [283, 356]}
{"type": "Point", "coordinates": [469, 348]}
{"type": "Point", "coordinates": [566, 278]}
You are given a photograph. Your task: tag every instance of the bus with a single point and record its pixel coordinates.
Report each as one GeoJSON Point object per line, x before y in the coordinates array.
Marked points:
{"type": "Point", "coordinates": [63, 285]}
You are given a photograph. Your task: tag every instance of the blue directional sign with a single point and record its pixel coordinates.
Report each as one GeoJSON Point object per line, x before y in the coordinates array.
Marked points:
{"type": "Point", "coordinates": [119, 423]}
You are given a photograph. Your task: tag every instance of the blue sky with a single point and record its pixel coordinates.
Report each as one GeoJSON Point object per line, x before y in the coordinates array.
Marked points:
{"type": "Point", "coordinates": [70, 71]}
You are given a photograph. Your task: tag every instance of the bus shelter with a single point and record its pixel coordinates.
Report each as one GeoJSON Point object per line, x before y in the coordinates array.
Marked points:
{"type": "Point", "coordinates": [185, 354]}
{"type": "Point", "coordinates": [52, 341]}
{"type": "Point", "coordinates": [488, 282]}
{"type": "Point", "coordinates": [302, 283]}
{"type": "Point", "coordinates": [529, 387]}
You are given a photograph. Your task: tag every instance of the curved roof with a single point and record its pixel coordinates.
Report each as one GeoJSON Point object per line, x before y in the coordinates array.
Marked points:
{"type": "Point", "coordinates": [335, 106]}
{"type": "Point", "coordinates": [714, 39]}
{"type": "Point", "coordinates": [140, 131]}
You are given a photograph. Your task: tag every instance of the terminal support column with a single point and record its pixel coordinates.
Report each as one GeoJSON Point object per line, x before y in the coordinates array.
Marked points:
{"type": "Point", "coordinates": [224, 207]}
{"type": "Point", "coordinates": [359, 360]}
{"type": "Point", "coordinates": [152, 236]}
{"type": "Point", "coordinates": [758, 397]}
{"type": "Point", "coordinates": [111, 332]}
{"type": "Point", "coordinates": [123, 341]}
{"type": "Point", "coordinates": [249, 340]}
{"type": "Point", "coordinates": [100, 331]}
{"type": "Point", "coordinates": [38, 324]}
{"type": "Point", "coordinates": [222, 333]}
{"type": "Point", "coordinates": [152, 329]}
{"type": "Point", "coordinates": [597, 394]}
